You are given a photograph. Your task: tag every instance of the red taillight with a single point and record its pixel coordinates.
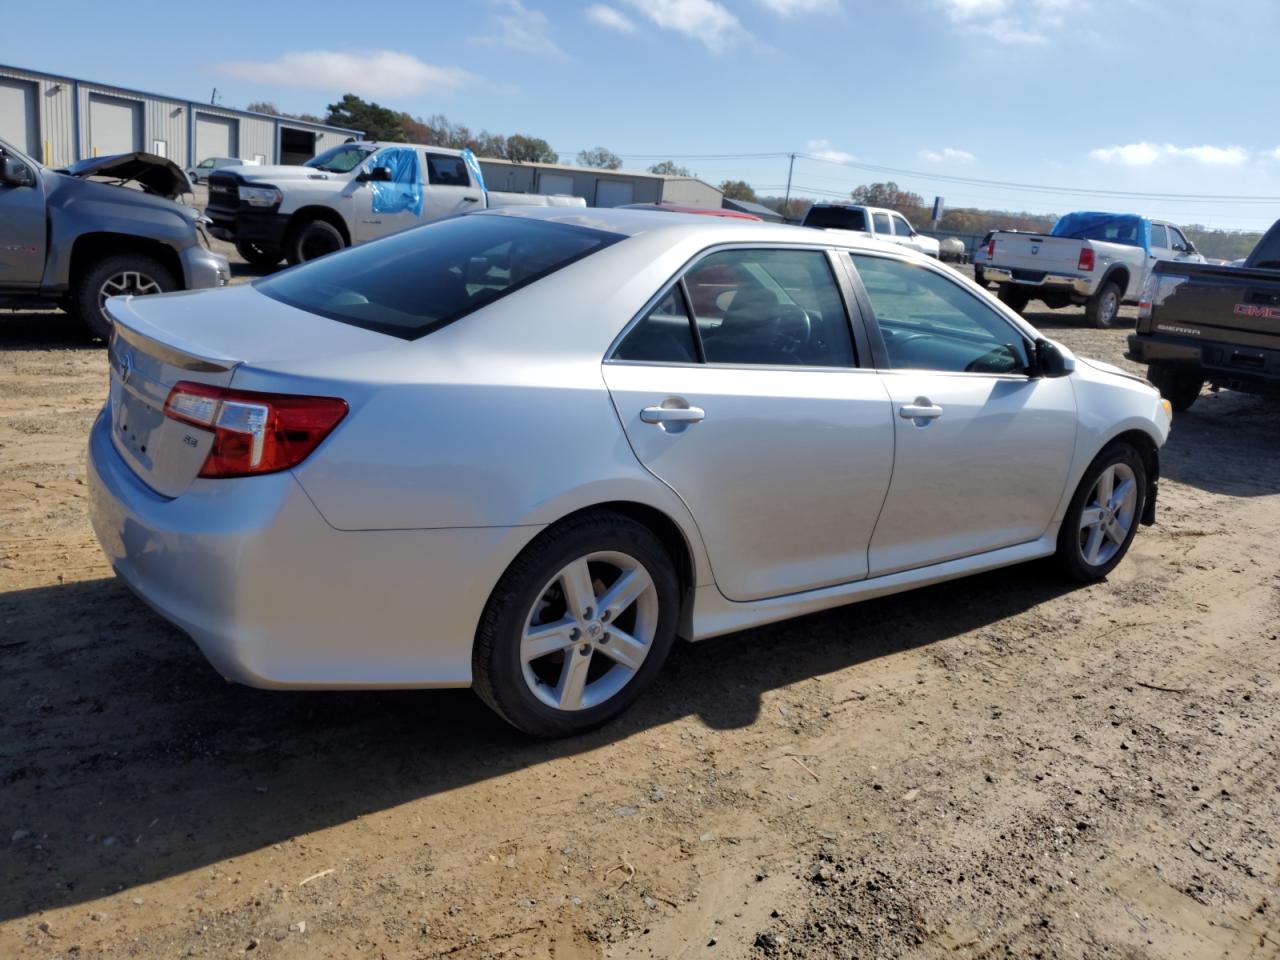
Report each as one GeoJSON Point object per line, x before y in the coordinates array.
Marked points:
{"type": "Point", "coordinates": [1086, 259]}
{"type": "Point", "coordinates": [254, 432]}
{"type": "Point", "coordinates": [991, 249]}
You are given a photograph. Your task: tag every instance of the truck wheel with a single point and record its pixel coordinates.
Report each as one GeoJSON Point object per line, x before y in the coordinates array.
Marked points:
{"type": "Point", "coordinates": [1179, 385]}
{"type": "Point", "coordinates": [258, 254]}
{"type": "Point", "coordinates": [311, 239]}
{"type": "Point", "coordinates": [124, 274]}
{"type": "Point", "coordinates": [1013, 297]}
{"type": "Point", "coordinates": [1104, 306]}
{"type": "Point", "coordinates": [979, 277]}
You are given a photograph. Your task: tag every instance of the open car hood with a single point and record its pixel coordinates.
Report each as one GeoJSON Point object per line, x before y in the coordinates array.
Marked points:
{"type": "Point", "coordinates": [154, 174]}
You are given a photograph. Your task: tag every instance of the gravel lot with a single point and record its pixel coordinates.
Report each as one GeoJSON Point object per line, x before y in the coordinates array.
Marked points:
{"type": "Point", "coordinates": [1003, 766]}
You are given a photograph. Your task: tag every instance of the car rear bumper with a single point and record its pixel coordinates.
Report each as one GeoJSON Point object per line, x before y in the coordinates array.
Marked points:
{"type": "Point", "coordinates": [275, 597]}
{"type": "Point", "coordinates": [1065, 282]}
{"type": "Point", "coordinates": [1249, 369]}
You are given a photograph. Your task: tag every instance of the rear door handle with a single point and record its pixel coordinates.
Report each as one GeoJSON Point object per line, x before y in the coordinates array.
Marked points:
{"type": "Point", "coordinates": [672, 414]}
{"type": "Point", "coordinates": [922, 409]}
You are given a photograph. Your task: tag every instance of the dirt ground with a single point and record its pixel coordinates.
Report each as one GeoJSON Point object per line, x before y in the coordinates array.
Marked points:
{"type": "Point", "coordinates": [1002, 766]}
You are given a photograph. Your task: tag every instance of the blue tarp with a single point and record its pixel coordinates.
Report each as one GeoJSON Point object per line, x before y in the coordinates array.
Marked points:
{"type": "Point", "coordinates": [404, 190]}
{"type": "Point", "coordinates": [1127, 228]}
{"type": "Point", "coordinates": [477, 175]}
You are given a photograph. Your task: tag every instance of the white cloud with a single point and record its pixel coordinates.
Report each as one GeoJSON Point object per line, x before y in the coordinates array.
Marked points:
{"type": "Point", "coordinates": [371, 73]}
{"type": "Point", "coordinates": [518, 27]}
{"type": "Point", "coordinates": [947, 155]}
{"type": "Point", "coordinates": [604, 16]}
{"type": "Point", "coordinates": [1146, 154]}
{"type": "Point", "coordinates": [1014, 22]}
{"type": "Point", "coordinates": [789, 8]}
{"type": "Point", "coordinates": [1273, 154]}
{"type": "Point", "coordinates": [704, 20]}
{"type": "Point", "coordinates": [822, 150]}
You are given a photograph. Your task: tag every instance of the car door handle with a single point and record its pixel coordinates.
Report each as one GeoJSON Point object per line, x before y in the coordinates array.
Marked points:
{"type": "Point", "coordinates": [470, 199]}
{"type": "Point", "coordinates": [922, 409]}
{"type": "Point", "coordinates": [672, 414]}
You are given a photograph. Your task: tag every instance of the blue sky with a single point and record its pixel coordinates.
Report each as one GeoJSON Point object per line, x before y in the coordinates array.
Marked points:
{"type": "Point", "coordinates": [1165, 97]}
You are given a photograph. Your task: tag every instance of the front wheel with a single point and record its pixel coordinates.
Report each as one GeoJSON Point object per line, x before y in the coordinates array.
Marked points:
{"type": "Point", "coordinates": [577, 627]}
{"type": "Point", "coordinates": [1103, 516]}
{"type": "Point", "coordinates": [1103, 307]}
{"type": "Point", "coordinates": [1178, 385]}
{"type": "Point", "coordinates": [125, 274]}
{"type": "Point", "coordinates": [311, 239]}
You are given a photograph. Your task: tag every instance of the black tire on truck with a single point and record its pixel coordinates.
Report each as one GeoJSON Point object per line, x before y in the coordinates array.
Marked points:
{"type": "Point", "coordinates": [309, 239]}
{"type": "Point", "coordinates": [1177, 384]}
{"type": "Point", "coordinates": [117, 275]}
{"type": "Point", "coordinates": [1103, 308]}
{"type": "Point", "coordinates": [1014, 297]}
{"type": "Point", "coordinates": [259, 254]}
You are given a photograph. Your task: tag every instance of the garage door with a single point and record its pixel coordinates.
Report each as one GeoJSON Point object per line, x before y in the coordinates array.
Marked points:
{"type": "Point", "coordinates": [115, 125]}
{"type": "Point", "coordinates": [614, 193]}
{"type": "Point", "coordinates": [216, 137]}
{"type": "Point", "coordinates": [18, 115]}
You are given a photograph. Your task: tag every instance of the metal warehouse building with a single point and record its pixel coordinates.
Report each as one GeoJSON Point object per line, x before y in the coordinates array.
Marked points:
{"type": "Point", "coordinates": [599, 187]}
{"type": "Point", "coordinates": [60, 120]}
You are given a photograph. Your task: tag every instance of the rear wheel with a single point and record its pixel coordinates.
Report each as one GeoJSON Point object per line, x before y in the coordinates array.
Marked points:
{"type": "Point", "coordinates": [125, 274]}
{"type": "Point", "coordinates": [577, 627]}
{"type": "Point", "coordinates": [1103, 516]}
{"type": "Point", "coordinates": [311, 239]}
{"type": "Point", "coordinates": [1103, 307]}
{"type": "Point", "coordinates": [1014, 297]}
{"type": "Point", "coordinates": [1179, 385]}
{"type": "Point", "coordinates": [258, 254]}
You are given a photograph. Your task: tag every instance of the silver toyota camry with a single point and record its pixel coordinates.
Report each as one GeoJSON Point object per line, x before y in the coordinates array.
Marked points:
{"type": "Point", "coordinates": [525, 450]}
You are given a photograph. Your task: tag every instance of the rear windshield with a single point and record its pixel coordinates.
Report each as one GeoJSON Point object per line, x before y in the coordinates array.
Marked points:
{"type": "Point", "coordinates": [1110, 227]}
{"type": "Point", "coordinates": [836, 217]}
{"type": "Point", "coordinates": [412, 283]}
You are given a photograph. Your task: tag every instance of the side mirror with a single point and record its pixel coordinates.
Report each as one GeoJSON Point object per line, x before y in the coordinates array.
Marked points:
{"type": "Point", "coordinates": [1050, 361]}
{"type": "Point", "coordinates": [15, 173]}
{"type": "Point", "coordinates": [376, 175]}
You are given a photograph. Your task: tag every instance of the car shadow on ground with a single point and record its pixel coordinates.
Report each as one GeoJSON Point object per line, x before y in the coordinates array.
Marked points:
{"type": "Point", "coordinates": [125, 759]}
{"type": "Point", "coordinates": [43, 330]}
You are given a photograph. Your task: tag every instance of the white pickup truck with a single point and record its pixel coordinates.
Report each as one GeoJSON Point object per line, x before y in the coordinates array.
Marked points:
{"type": "Point", "coordinates": [876, 222]}
{"type": "Point", "coordinates": [349, 194]}
{"type": "Point", "coordinates": [1100, 260]}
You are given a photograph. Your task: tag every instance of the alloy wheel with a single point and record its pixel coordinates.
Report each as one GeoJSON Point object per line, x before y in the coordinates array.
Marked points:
{"type": "Point", "coordinates": [127, 282]}
{"type": "Point", "coordinates": [590, 631]}
{"type": "Point", "coordinates": [1108, 515]}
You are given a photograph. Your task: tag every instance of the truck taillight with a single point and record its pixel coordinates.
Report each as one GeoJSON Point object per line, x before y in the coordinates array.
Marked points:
{"type": "Point", "coordinates": [1086, 259]}
{"type": "Point", "coordinates": [254, 432]}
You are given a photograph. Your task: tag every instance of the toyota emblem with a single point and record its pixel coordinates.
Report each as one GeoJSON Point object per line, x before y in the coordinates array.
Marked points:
{"type": "Point", "coordinates": [126, 366]}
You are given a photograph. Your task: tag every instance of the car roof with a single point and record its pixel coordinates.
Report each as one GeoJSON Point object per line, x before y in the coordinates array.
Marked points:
{"type": "Point", "coordinates": [679, 226]}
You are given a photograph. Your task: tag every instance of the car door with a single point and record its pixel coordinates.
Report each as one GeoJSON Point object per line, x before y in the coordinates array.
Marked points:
{"type": "Point", "coordinates": [983, 446]}
{"type": "Point", "coordinates": [883, 227]}
{"type": "Point", "coordinates": [1160, 242]}
{"type": "Point", "coordinates": [389, 206]}
{"type": "Point", "coordinates": [738, 388]}
{"type": "Point", "coordinates": [903, 234]}
{"type": "Point", "coordinates": [449, 187]}
{"type": "Point", "coordinates": [22, 223]}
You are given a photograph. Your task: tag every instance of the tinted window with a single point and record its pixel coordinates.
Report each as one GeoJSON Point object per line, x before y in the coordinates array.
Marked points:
{"type": "Point", "coordinates": [414, 282]}
{"type": "Point", "coordinates": [930, 323]}
{"type": "Point", "coordinates": [1112, 228]}
{"type": "Point", "coordinates": [839, 218]}
{"type": "Point", "coordinates": [882, 222]}
{"type": "Point", "coordinates": [447, 171]}
{"type": "Point", "coordinates": [663, 336]}
{"type": "Point", "coordinates": [769, 307]}
{"type": "Point", "coordinates": [901, 227]}
{"type": "Point", "coordinates": [1177, 240]}
{"type": "Point", "coordinates": [1159, 236]}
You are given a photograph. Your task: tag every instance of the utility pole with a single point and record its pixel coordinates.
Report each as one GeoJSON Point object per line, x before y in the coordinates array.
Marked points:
{"type": "Point", "coordinates": [786, 203]}
{"type": "Point", "coordinates": [213, 97]}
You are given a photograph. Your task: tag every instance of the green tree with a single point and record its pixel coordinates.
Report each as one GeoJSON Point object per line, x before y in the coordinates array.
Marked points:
{"type": "Point", "coordinates": [738, 190]}
{"type": "Point", "coordinates": [670, 169]}
{"type": "Point", "coordinates": [525, 149]}
{"type": "Point", "coordinates": [599, 157]}
{"type": "Point", "coordinates": [377, 122]}
{"type": "Point", "coordinates": [890, 195]}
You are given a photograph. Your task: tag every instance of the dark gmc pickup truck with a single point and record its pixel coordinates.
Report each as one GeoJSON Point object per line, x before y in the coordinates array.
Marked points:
{"type": "Point", "coordinates": [1204, 323]}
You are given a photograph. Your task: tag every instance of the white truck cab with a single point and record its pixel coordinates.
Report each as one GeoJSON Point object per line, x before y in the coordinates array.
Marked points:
{"type": "Point", "coordinates": [351, 193]}
{"type": "Point", "coordinates": [877, 222]}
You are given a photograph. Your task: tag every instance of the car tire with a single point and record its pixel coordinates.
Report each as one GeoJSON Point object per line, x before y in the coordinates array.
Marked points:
{"type": "Point", "coordinates": [1103, 308]}
{"type": "Point", "coordinates": [1013, 297]}
{"type": "Point", "coordinates": [311, 239]}
{"type": "Point", "coordinates": [979, 277]}
{"type": "Point", "coordinates": [118, 275]}
{"type": "Point", "coordinates": [259, 254]}
{"type": "Point", "coordinates": [1179, 385]}
{"type": "Point", "coordinates": [1103, 517]}
{"type": "Point", "coordinates": [577, 682]}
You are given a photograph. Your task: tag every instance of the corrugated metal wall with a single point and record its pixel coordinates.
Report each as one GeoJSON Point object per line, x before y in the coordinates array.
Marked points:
{"type": "Point", "coordinates": [53, 105]}
{"type": "Point", "coordinates": [693, 192]}
{"type": "Point", "coordinates": [511, 177]}
{"type": "Point", "coordinates": [326, 139]}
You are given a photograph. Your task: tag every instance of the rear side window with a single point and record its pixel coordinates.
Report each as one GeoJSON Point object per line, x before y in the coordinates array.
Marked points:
{"type": "Point", "coordinates": [443, 171]}
{"type": "Point", "coordinates": [882, 222]}
{"type": "Point", "coordinates": [412, 283]}
{"type": "Point", "coordinates": [1159, 236]}
{"type": "Point", "coordinates": [663, 336]}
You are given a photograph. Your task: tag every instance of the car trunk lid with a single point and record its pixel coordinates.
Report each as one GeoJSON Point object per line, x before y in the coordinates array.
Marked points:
{"type": "Point", "coordinates": [1238, 305]}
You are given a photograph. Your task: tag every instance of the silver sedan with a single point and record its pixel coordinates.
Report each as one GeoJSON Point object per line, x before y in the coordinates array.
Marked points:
{"type": "Point", "coordinates": [525, 450]}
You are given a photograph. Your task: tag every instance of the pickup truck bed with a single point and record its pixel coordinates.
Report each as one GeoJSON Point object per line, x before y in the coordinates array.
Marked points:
{"type": "Point", "coordinates": [1209, 323]}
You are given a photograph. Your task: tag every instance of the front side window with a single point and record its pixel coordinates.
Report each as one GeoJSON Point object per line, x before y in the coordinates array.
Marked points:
{"type": "Point", "coordinates": [1159, 237]}
{"type": "Point", "coordinates": [901, 228]}
{"type": "Point", "coordinates": [206, 164]}
{"type": "Point", "coordinates": [1177, 240]}
{"type": "Point", "coordinates": [446, 171]}
{"type": "Point", "coordinates": [412, 283]}
{"type": "Point", "coordinates": [928, 322]}
{"type": "Point", "coordinates": [769, 307]}
{"type": "Point", "coordinates": [882, 222]}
